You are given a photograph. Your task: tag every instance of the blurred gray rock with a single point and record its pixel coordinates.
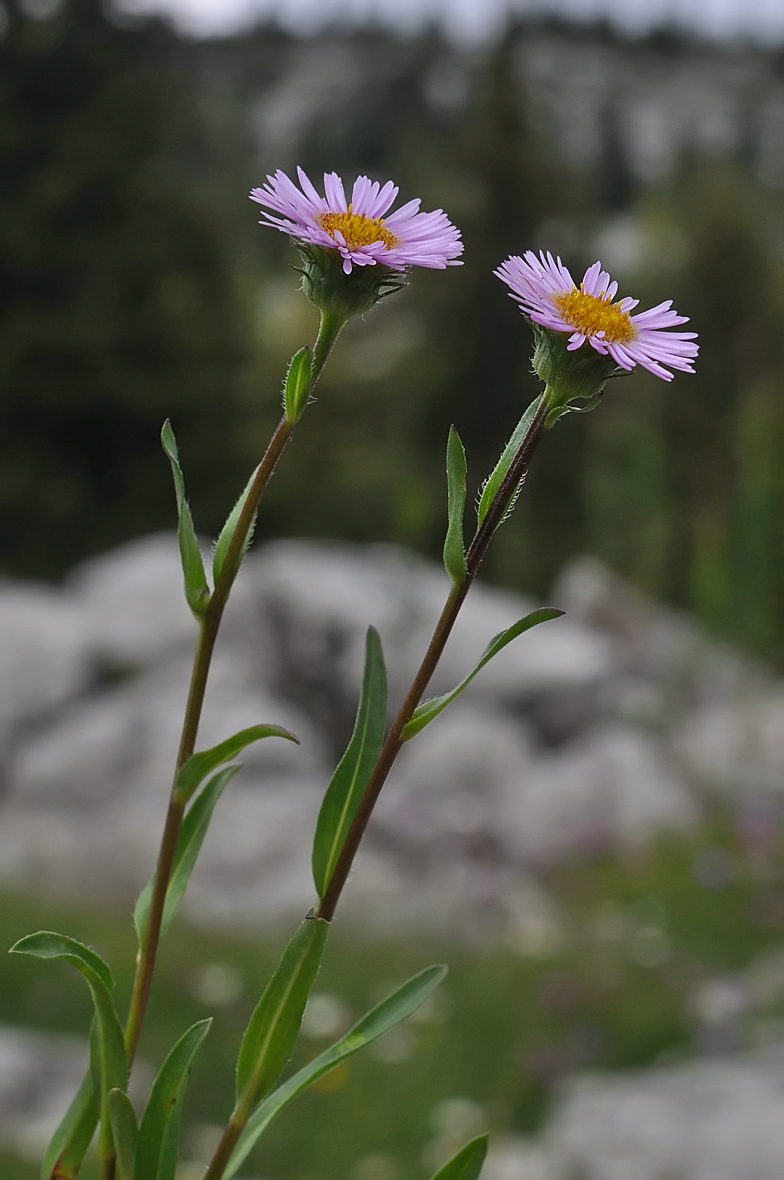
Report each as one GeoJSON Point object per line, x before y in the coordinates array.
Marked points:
{"type": "Point", "coordinates": [133, 603]}
{"type": "Point", "coordinates": [717, 1119]}
{"type": "Point", "coordinates": [612, 788]}
{"type": "Point", "coordinates": [737, 748]}
{"type": "Point", "coordinates": [587, 733]}
{"type": "Point", "coordinates": [254, 867]}
{"type": "Point", "coordinates": [447, 792]}
{"type": "Point", "coordinates": [320, 597]}
{"type": "Point", "coordinates": [666, 662]}
{"type": "Point", "coordinates": [477, 779]}
{"type": "Point", "coordinates": [38, 1076]}
{"type": "Point", "coordinates": [87, 796]}
{"type": "Point", "coordinates": [47, 656]}
{"type": "Point", "coordinates": [133, 598]}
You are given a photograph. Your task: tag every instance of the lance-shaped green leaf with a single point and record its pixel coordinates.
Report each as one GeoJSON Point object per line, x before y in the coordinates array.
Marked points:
{"type": "Point", "coordinates": [430, 709]}
{"type": "Point", "coordinates": [156, 1150]}
{"type": "Point", "coordinates": [355, 767]}
{"type": "Point", "coordinates": [496, 477]}
{"type": "Point", "coordinates": [298, 382]}
{"type": "Point", "coordinates": [197, 819]}
{"type": "Point", "coordinates": [397, 1007]}
{"type": "Point", "coordinates": [454, 548]}
{"type": "Point", "coordinates": [189, 842]}
{"type": "Point", "coordinates": [274, 1026]}
{"type": "Point", "coordinates": [197, 591]}
{"type": "Point", "coordinates": [68, 1145]}
{"type": "Point", "coordinates": [466, 1164]}
{"type": "Point", "coordinates": [107, 1049]}
{"type": "Point", "coordinates": [124, 1131]}
{"type": "Point", "coordinates": [201, 764]}
{"type": "Point", "coordinates": [229, 529]}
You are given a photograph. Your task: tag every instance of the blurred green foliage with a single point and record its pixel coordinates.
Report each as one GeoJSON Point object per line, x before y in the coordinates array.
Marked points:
{"type": "Point", "coordinates": [136, 285]}
{"type": "Point", "coordinates": [639, 936]}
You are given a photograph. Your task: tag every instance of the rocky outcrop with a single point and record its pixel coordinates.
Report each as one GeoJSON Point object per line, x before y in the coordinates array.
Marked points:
{"type": "Point", "coordinates": [592, 731]}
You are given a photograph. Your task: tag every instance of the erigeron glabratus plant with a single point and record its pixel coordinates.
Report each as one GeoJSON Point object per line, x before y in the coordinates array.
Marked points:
{"type": "Point", "coordinates": [353, 254]}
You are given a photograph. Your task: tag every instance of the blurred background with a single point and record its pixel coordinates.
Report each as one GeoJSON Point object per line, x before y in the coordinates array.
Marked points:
{"type": "Point", "coordinates": [600, 860]}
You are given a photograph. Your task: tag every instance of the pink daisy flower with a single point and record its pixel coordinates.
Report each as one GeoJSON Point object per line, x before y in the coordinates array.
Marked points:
{"type": "Point", "coordinates": [358, 229]}
{"type": "Point", "coordinates": [548, 295]}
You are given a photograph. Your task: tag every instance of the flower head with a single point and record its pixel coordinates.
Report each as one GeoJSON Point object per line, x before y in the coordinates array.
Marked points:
{"type": "Point", "coordinates": [548, 295]}
{"type": "Point", "coordinates": [358, 230]}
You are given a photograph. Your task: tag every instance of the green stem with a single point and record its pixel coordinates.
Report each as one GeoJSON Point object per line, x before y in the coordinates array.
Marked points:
{"type": "Point", "coordinates": [394, 741]}
{"type": "Point", "coordinates": [228, 1142]}
{"type": "Point", "coordinates": [108, 1165]}
{"type": "Point", "coordinates": [330, 327]}
{"type": "Point", "coordinates": [329, 330]}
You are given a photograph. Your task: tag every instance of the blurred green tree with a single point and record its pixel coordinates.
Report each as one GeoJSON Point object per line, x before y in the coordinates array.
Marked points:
{"type": "Point", "coordinates": [118, 306]}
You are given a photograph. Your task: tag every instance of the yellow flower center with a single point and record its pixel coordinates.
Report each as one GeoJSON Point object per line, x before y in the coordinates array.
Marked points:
{"type": "Point", "coordinates": [358, 229]}
{"type": "Point", "coordinates": [591, 314]}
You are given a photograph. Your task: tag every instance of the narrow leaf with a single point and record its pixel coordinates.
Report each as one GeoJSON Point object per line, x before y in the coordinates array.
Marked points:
{"type": "Point", "coordinates": [298, 382]}
{"type": "Point", "coordinates": [108, 1050]}
{"type": "Point", "coordinates": [573, 407]}
{"type": "Point", "coordinates": [228, 530]}
{"type": "Point", "coordinates": [201, 764]}
{"type": "Point", "coordinates": [428, 710]}
{"type": "Point", "coordinates": [197, 591]}
{"type": "Point", "coordinates": [156, 1151]}
{"type": "Point", "coordinates": [124, 1131]}
{"type": "Point", "coordinates": [274, 1026]}
{"type": "Point", "coordinates": [454, 548]}
{"type": "Point", "coordinates": [355, 767]}
{"type": "Point", "coordinates": [197, 819]}
{"type": "Point", "coordinates": [496, 478]}
{"type": "Point", "coordinates": [189, 842]}
{"type": "Point", "coordinates": [397, 1007]}
{"type": "Point", "coordinates": [47, 945]}
{"type": "Point", "coordinates": [68, 1146]}
{"type": "Point", "coordinates": [467, 1163]}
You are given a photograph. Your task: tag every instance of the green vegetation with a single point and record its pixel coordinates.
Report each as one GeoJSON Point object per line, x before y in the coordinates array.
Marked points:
{"type": "Point", "coordinates": [638, 937]}
{"type": "Point", "coordinates": [136, 285]}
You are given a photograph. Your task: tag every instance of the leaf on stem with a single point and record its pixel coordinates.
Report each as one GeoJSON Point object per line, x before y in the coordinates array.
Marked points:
{"type": "Point", "coordinates": [107, 1056]}
{"type": "Point", "coordinates": [454, 548]}
{"type": "Point", "coordinates": [156, 1151]}
{"type": "Point", "coordinates": [227, 532]}
{"type": "Point", "coordinates": [428, 710]}
{"type": "Point", "coordinates": [496, 478]}
{"type": "Point", "coordinates": [466, 1164]}
{"type": "Point", "coordinates": [124, 1131]}
{"type": "Point", "coordinates": [68, 1145]}
{"type": "Point", "coordinates": [298, 381]}
{"type": "Point", "coordinates": [197, 591]}
{"type": "Point", "coordinates": [274, 1026]}
{"type": "Point", "coordinates": [199, 765]}
{"type": "Point", "coordinates": [189, 842]}
{"type": "Point", "coordinates": [355, 767]}
{"type": "Point", "coordinates": [197, 819]}
{"type": "Point", "coordinates": [391, 1011]}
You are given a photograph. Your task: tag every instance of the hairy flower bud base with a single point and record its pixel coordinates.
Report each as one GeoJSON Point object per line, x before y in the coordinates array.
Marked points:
{"type": "Point", "coordinates": [570, 375]}
{"type": "Point", "coordinates": [326, 283]}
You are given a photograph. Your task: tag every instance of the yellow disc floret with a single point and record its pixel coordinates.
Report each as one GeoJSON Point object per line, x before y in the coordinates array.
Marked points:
{"type": "Point", "coordinates": [592, 314]}
{"type": "Point", "coordinates": [358, 229]}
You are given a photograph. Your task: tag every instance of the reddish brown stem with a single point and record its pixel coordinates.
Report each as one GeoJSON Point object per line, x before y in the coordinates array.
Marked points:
{"type": "Point", "coordinates": [329, 331]}
{"type": "Point", "coordinates": [208, 633]}
{"type": "Point", "coordinates": [394, 741]}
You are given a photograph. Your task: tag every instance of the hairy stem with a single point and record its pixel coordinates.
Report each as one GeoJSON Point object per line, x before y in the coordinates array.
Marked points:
{"type": "Point", "coordinates": [329, 331]}
{"type": "Point", "coordinates": [228, 1142]}
{"type": "Point", "coordinates": [394, 741]}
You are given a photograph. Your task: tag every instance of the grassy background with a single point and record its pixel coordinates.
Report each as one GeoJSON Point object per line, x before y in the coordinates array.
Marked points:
{"type": "Point", "coordinates": [640, 935]}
